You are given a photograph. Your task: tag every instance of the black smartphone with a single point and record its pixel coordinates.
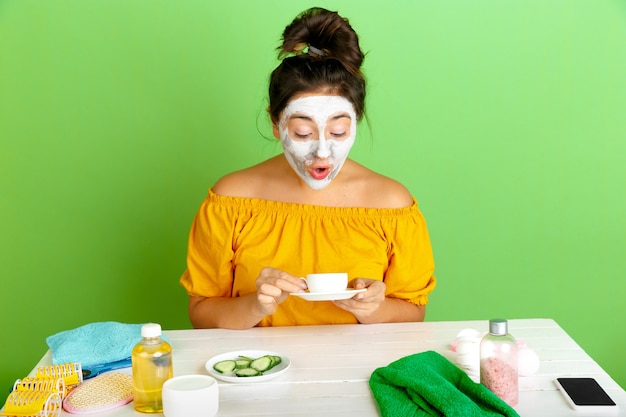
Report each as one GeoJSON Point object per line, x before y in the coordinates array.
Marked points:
{"type": "Point", "coordinates": [585, 394]}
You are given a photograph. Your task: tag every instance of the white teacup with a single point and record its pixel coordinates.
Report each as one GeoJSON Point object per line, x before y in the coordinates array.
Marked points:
{"type": "Point", "coordinates": [329, 282]}
{"type": "Point", "coordinates": [190, 396]}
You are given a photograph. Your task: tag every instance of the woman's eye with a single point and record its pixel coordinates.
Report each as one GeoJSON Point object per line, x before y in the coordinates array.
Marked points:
{"type": "Point", "coordinates": [302, 135]}
{"type": "Point", "coordinates": [337, 135]}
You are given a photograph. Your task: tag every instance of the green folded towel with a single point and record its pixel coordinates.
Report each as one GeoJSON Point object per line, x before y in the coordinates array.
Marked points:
{"type": "Point", "coordinates": [427, 384]}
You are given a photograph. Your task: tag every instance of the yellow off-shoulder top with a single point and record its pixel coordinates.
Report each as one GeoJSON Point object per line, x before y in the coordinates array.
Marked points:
{"type": "Point", "coordinates": [233, 238]}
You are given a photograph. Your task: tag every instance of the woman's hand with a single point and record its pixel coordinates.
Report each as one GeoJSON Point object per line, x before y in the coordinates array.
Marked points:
{"type": "Point", "coordinates": [372, 306]}
{"type": "Point", "coordinates": [363, 305]}
{"type": "Point", "coordinates": [273, 287]}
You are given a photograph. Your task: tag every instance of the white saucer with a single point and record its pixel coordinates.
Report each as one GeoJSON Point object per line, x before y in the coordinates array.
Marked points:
{"type": "Point", "coordinates": [272, 373]}
{"type": "Point", "coordinates": [328, 296]}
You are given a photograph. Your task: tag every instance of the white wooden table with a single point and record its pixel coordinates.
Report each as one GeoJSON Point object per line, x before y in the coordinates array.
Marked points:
{"type": "Point", "coordinates": [331, 365]}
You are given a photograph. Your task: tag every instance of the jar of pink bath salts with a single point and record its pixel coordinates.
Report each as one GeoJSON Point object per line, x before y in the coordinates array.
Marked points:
{"type": "Point", "coordinates": [498, 362]}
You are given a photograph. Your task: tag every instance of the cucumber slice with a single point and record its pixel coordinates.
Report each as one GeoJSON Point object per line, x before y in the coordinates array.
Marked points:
{"type": "Point", "coordinates": [275, 360]}
{"type": "Point", "coordinates": [246, 372]}
{"type": "Point", "coordinates": [262, 364]}
{"type": "Point", "coordinates": [242, 363]}
{"type": "Point", "coordinates": [225, 367]}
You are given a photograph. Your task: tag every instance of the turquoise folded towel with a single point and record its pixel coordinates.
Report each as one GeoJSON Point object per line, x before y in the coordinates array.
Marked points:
{"type": "Point", "coordinates": [428, 384]}
{"type": "Point", "coordinates": [94, 343]}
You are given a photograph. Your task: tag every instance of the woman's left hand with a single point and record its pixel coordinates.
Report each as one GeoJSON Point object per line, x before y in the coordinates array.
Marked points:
{"type": "Point", "coordinates": [364, 304]}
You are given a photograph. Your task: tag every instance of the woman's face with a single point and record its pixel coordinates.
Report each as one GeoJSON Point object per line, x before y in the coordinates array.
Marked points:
{"type": "Point", "coordinates": [317, 133]}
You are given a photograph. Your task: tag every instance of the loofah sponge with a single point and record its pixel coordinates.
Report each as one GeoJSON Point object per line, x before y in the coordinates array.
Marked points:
{"type": "Point", "coordinates": [104, 392]}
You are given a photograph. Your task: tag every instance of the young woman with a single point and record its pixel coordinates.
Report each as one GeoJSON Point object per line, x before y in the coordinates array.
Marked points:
{"type": "Point", "coordinates": [309, 209]}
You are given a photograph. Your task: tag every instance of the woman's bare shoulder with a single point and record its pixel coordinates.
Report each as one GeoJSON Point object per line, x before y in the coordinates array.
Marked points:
{"type": "Point", "coordinates": [245, 182]}
{"type": "Point", "coordinates": [380, 191]}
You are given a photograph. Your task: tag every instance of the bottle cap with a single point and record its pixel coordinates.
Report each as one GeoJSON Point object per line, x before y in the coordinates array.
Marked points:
{"type": "Point", "coordinates": [498, 327]}
{"type": "Point", "coordinates": [151, 330]}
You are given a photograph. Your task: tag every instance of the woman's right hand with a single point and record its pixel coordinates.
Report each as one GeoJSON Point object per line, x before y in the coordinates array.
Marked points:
{"type": "Point", "coordinates": [273, 286]}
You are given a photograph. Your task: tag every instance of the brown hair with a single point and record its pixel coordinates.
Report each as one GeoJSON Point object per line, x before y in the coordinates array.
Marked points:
{"type": "Point", "coordinates": [335, 71]}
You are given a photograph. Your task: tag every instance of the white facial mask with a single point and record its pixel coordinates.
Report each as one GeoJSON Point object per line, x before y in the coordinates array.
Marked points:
{"type": "Point", "coordinates": [301, 154]}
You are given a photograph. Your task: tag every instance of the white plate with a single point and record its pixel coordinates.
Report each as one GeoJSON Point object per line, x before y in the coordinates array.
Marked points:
{"type": "Point", "coordinates": [328, 296]}
{"type": "Point", "coordinates": [272, 373]}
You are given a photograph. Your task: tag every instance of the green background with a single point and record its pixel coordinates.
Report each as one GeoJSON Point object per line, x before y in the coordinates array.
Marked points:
{"type": "Point", "coordinates": [504, 118]}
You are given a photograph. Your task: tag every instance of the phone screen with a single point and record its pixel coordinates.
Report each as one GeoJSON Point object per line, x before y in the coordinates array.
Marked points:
{"type": "Point", "coordinates": [585, 392]}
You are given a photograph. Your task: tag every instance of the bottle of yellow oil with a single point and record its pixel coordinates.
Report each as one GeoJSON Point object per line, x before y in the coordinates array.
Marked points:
{"type": "Point", "coordinates": [152, 366]}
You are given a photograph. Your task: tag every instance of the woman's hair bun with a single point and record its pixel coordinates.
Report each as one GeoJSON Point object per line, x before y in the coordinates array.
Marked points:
{"type": "Point", "coordinates": [320, 54]}
{"type": "Point", "coordinates": [324, 31]}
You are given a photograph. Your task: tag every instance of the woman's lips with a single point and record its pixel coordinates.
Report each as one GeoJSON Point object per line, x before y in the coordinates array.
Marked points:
{"type": "Point", "coordinates": [319, 172]}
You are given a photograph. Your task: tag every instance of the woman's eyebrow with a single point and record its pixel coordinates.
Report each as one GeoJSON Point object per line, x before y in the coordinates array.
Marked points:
{"type": "Point", "coordinates": [300, 116]}
{"type": "Point", "coordinates": [307, 117]}
{"type": "Point", "coordinates": [340, 116]}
